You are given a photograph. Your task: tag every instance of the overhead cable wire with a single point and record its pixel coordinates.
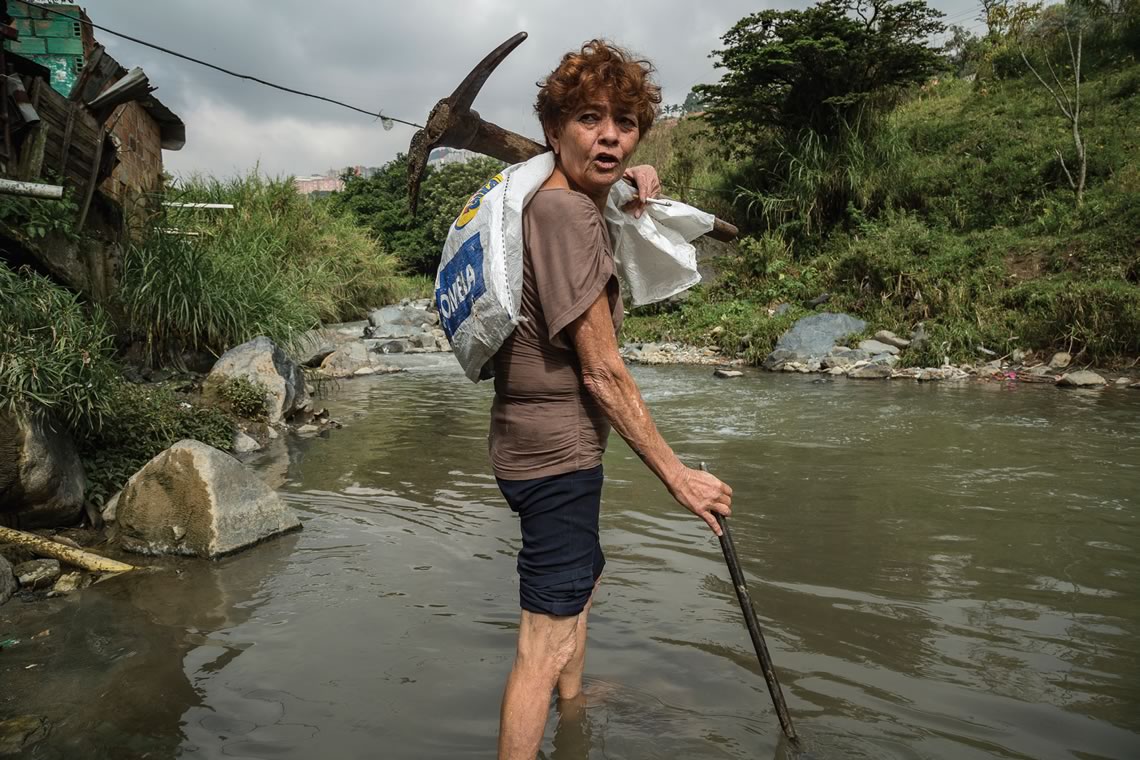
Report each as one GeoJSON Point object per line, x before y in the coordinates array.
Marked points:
{"type": "Point", "coordinates": [384, 118]}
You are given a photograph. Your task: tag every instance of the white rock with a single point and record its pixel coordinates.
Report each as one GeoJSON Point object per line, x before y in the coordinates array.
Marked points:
{"type": "Point", "coordinates": [1060, 360]}
{"type": "Point", "coordinates": [243, 444]}
{"type": "Point", "coordinates": [1081, 379]}
{"type": "Point", "coordinates": [728, 373]}
{"type": "Point", "coordinates": [195, 500]}
{"type": "Point", "coordinates": [261, 361]}
{"type": "Point", "coordinates": [876, 347]}
{"type": "Point", "coordinates": [110, 508]}
{"type": "Point", "coordinates": [888, 337]}
{"type": "Point", "coordinates": [346, 360]}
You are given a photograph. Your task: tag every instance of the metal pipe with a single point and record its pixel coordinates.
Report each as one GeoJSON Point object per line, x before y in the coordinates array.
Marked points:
{"type": "Point", "coordinates": [31, 189]}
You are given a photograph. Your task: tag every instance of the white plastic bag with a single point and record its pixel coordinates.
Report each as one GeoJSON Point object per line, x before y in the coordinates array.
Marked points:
{"type": "Point", "coordinates": [654, 256]}
{"type": "Point", "coordinates": [478, 285]}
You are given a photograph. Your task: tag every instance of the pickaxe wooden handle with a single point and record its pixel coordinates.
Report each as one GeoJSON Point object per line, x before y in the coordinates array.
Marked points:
{"type": "Point", "coordinates": [452, 124]}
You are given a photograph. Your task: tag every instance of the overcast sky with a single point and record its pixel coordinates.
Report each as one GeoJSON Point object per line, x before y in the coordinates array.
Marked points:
{"type": "Point", "coordinates": [398, 57]}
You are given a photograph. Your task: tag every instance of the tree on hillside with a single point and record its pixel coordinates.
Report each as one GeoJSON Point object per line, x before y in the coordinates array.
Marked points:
{"type": "Point", "coordinates": [381, 203]}
{"type": "Point", "coordinates": [963, 50]}
{"type": "Point", "coordinates": [820, 69]}
{"type": "Point", "coordinates": [693, 103]}
{"type": "Point", "coordinates": [1063, 86]}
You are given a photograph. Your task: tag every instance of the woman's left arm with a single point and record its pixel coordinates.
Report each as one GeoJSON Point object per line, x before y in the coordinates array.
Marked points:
{"type": "Point", "coordinates": [606, 379]}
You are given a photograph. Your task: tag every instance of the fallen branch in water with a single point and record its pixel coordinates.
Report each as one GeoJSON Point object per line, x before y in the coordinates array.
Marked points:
{"type": "Point", "coordinates": [45, 547]}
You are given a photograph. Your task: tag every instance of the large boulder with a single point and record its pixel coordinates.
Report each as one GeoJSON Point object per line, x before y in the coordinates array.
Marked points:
{"type": "Point", "coordinates": [402, 320]}
{"type": "Point", "coordinates": [346, 360]}
{"type": "Point", "coordinates": [41, 477]}
{"type": "Point", "coordinates": [195, 500]}
{"type": "Point", "coordinates": [7, 581]}
{"type": "Point", "coordinates": [812, 338]}
{"type": "Point", "coordinates": [262, 361]}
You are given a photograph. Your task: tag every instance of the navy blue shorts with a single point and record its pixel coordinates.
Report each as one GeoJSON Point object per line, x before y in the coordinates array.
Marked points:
{"type": "Point", "coordinates": [561, 558]}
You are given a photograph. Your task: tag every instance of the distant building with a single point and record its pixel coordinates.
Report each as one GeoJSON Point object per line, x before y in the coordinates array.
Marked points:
{"type": "Point", "coordinates": [444, 156]}
{"type": "Point", "coordinates": [318, 185]}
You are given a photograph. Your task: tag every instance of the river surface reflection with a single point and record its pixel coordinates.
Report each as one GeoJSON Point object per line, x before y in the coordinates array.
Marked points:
{"type": "Point", "coordinates": [942, 571]}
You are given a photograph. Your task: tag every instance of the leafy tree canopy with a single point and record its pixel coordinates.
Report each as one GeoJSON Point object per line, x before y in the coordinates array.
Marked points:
{"type": "Point", "coordinates": [819, 69]}
{"type": "Point", "coordinates": [381, 203]}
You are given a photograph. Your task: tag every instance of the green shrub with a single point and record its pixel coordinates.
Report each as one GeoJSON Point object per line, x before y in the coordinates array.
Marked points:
{"type": "Point", "coordinates": [33, 219]}
{"type": "Point", "coordinates": [380, 203]}
{"type": "Point", "coordinates": [54, 353]}
{"type": "Point", "coordinates": [1099, 318]}
{"type": "Point", "coordinates": [245, 397]}
{"type": "Point", "coordinates": [143, 421]}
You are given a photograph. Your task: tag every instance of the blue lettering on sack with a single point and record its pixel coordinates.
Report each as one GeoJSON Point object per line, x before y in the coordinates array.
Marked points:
{"type": "Point", "coordinates": [460, 285]}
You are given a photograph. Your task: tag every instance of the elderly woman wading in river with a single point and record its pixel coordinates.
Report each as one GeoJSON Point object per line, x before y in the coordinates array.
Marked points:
{"type": "Point", "coordinates": [560, 382]}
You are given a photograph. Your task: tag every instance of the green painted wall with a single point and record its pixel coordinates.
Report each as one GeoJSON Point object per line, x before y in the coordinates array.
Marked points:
{"type": "Point", "coordinates": [50, 40]}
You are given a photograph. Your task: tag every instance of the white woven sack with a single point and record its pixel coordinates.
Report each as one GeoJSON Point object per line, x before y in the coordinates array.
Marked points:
{"type": "Point", "coordinates": [479, 281]}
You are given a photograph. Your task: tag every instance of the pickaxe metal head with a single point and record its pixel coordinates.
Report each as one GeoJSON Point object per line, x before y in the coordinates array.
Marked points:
{"type": "Point", "coordinates": [452, 124]}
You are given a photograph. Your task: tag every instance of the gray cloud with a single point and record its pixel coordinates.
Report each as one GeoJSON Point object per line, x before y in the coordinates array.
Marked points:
{"type": "Point", "coordinates": [399, 57]}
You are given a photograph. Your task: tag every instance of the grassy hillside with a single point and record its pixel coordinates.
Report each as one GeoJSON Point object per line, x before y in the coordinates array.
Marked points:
{"type": "Point", "coordinates": [959, 217]}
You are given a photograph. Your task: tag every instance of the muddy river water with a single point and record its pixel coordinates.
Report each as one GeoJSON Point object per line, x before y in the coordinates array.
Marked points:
{"type": "Point", "coordinates": [942, 571]}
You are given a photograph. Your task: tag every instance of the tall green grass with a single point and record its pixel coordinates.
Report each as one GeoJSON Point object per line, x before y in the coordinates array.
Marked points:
{"type": "Point", "coordinates": [277, 264]}
{"type": "Point", "coordinates": [54, 354]}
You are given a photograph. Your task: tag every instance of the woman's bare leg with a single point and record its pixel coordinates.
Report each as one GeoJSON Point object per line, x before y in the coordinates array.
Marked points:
{"type": "Point", "coordinates": [546, 645]}
{"type": "Point", "coordinates": [570, 680]}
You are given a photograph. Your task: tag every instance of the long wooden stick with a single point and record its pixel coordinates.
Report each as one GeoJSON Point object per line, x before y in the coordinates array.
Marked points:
{"type": "Point", "coordinates": [45, 547]}
{"type": "Point", "coordinates": [734, 569]}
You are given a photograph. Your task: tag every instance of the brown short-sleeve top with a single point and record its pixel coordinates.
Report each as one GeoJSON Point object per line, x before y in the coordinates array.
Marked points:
{"type": "Point", "coordinates": [543, 420]}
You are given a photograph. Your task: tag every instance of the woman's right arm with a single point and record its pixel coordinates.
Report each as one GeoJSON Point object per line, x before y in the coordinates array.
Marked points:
{"type": "Point", "coordinates": [609, 382]}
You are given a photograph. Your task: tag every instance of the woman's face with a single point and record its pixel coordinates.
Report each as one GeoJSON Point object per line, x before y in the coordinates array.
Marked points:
{"type": "Point", "coordinates": [594, 144]}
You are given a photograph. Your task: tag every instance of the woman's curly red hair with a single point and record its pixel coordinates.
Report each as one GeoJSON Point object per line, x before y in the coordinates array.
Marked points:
{"type": "Point", "coordinates": [599, 69]}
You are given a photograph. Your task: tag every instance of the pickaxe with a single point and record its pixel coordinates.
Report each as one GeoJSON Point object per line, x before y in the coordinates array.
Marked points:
{"type": "Point", "coordinates": [452, 124]}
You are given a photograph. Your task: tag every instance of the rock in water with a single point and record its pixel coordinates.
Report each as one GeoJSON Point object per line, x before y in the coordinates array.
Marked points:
{"type": "Point", "coordinates": [812, 338]}
{"type": "Point", "coordinates": [244, 444]}
{"type": "Point", "coordinates": [346, 360]}
{"type": "Point", "coordinates": [195, 500]}
{"type": "Point", "coordinates": [400, 321]}
{"type": "Point", "coordinates": [17, 735]}
{"type": "Point", "coordinates": [725, 374]}
{"type": "Point", "coordinates": [7, 581]}
{"type": "Point", "coordinates": [41, 477]}
{"type": "Point", "coordinates": [262, 361]}
{"type": "Point", "coordinates": [38, 573]}
{"type": "Point", "coordinates": [70, 582]}
{"type": "Point", "coordinates": [1081, 379]}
